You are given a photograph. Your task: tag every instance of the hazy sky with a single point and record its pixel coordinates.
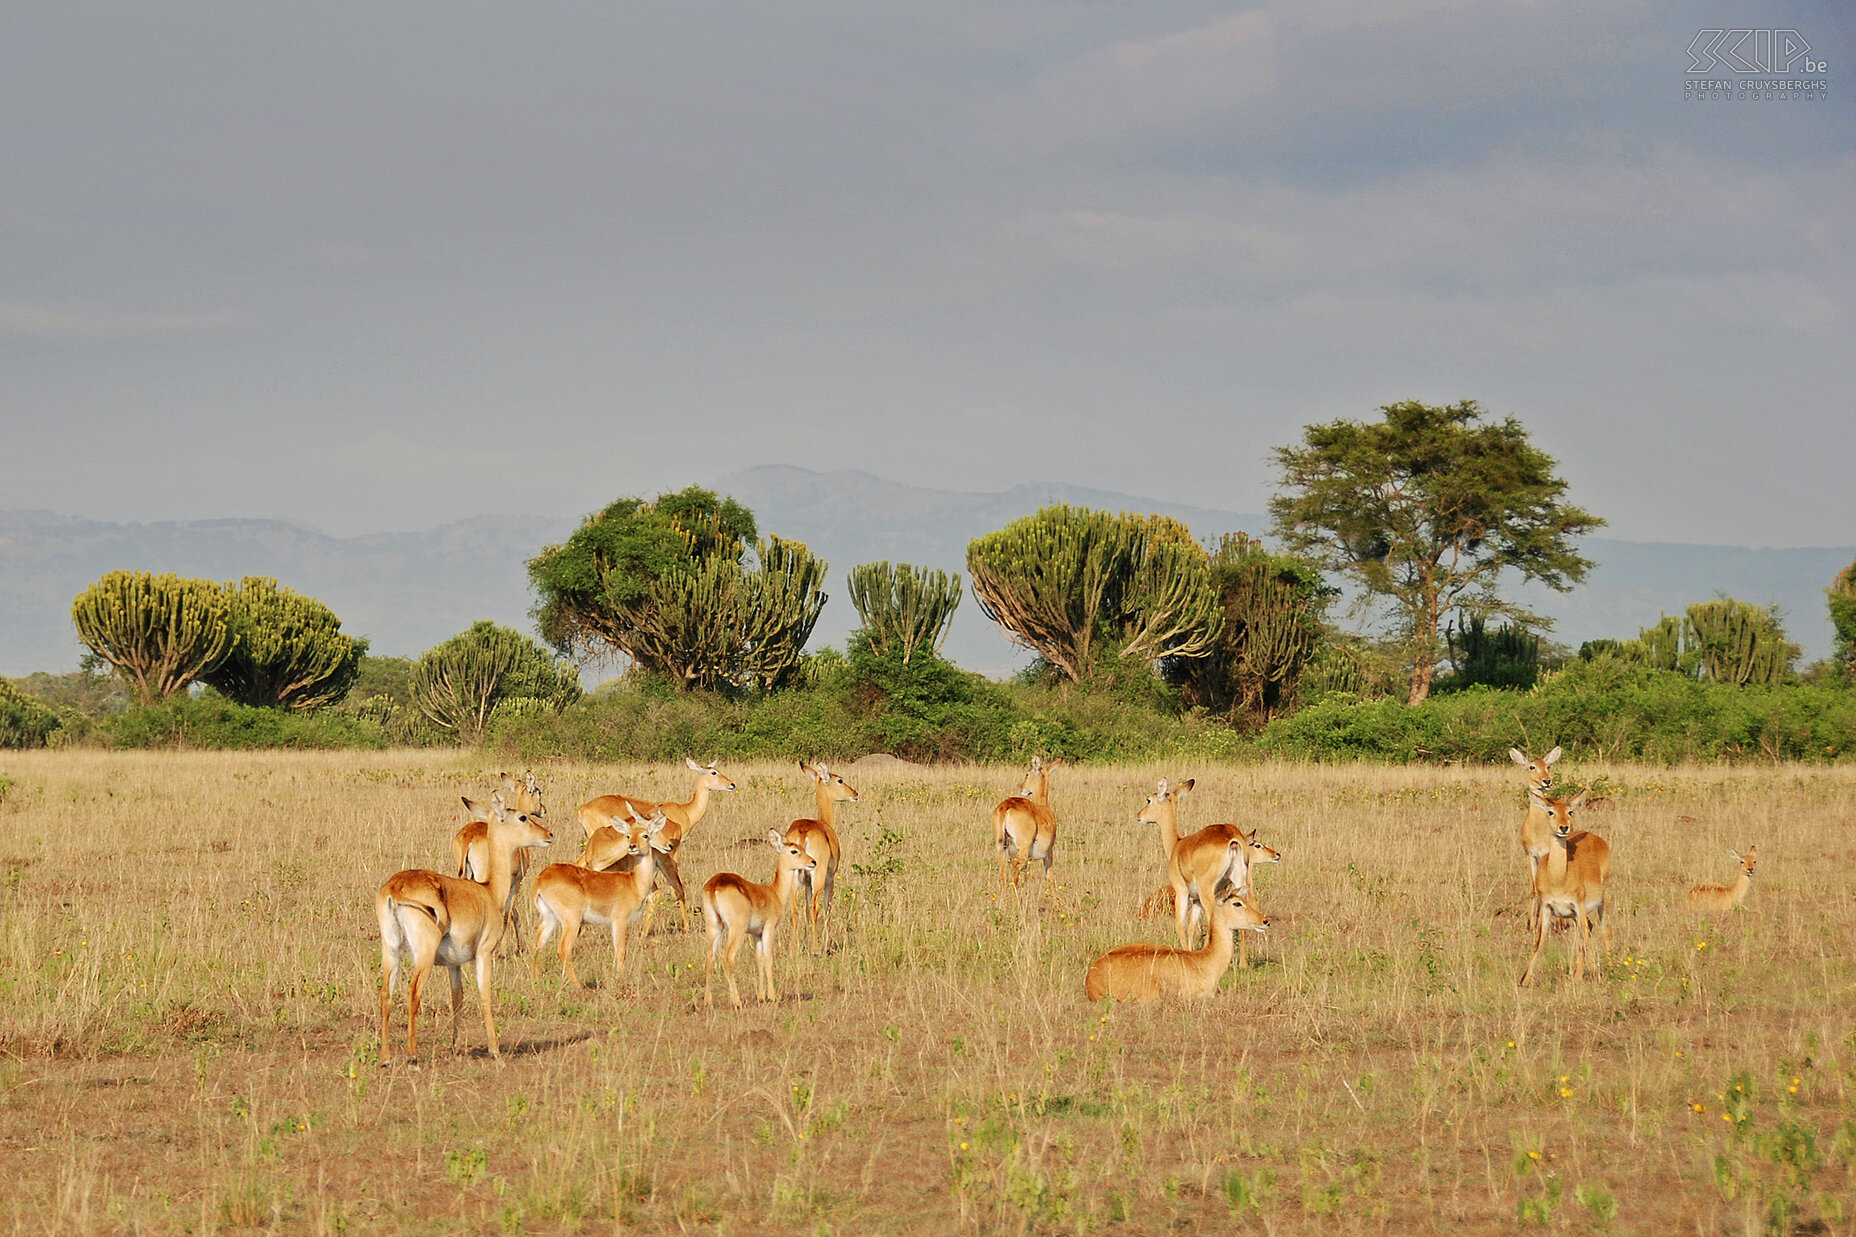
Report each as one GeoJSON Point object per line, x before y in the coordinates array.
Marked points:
{"type": "Point", "coordinates": [384, 266]}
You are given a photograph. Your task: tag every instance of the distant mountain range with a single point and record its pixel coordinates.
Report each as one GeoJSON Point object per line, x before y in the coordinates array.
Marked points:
{"type": "Point", "coordinates": [408, 591]}
{"type": "Point", "coordinates": [404, 591]}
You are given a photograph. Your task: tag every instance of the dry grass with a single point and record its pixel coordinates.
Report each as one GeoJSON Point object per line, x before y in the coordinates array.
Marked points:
{"type": "Point", "coordinates": [188, 964]}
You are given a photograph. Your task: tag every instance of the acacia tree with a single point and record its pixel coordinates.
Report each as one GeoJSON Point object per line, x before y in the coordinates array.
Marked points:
{"type": "Point", "coordinates": [1068, 582]}
{"type": "Point", "coordinates": [1425, 509]}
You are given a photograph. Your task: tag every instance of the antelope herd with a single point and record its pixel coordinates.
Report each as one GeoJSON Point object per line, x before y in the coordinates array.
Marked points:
{"type": "Point", "coordinates": [451, 921]}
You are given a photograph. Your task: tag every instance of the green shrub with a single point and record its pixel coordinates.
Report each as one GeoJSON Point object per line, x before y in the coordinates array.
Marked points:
{"type": "Point", "coordinates": [1606, 707]}
{"type": "Point", "coordinates": [25, 722]}
{"type": "Point", "coordinates": [214, 722]}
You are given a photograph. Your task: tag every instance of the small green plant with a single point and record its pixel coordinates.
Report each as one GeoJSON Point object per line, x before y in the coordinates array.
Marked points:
{"type": "Point", "coordinates": [466, 1168]}
{"type": "Point", "coordinates": [1599, 1201]}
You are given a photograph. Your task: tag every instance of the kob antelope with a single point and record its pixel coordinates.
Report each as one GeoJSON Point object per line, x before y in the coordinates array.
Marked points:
{"type": "Point", "coordinates": [818, 837]}
{"type": "Point", "coordinates": [1726, 897]}
{"type": "Point", "coordinates": [471, 846]}
{"type": "Point", "coordinates": [1024, 825]}
{"type": "Point", "coordinates": [1202, 865]}
{"type": "Point", "coordinates": [568, 895]}
{"type": "Point", "coordinates": [738, 908]}
{"type": "Point", "coordinates": [1571, 885]}
{"type": "Point", "coordinates": [1537, 825]}
{"type": "Point", "coordinates": [608, 810]}
{"type": "Point", "coordinates": [447, 921]}
{"type": "Point", "coordinates": [1150, 972]}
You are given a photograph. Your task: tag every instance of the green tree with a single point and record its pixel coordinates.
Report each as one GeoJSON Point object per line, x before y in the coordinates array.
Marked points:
{"type": "Point", "coordinates": [25, 721]}
{"type": "Point", "coordinates": [161, 632]}
{"type": "Point", "coordinates": [1842, 597]}
{"type": "Point", "coordinates": [1072, 584]}
{"type": "Point", "coordinates": [1272, 606]}
{"type": "Point", "coordinates": [1733, 642]}
{"type": "Point", "coordinates": [1507, 657]}
{"type": "Point", "coordinates": [1424, 510]}
{"type": "Point", "coordinates": [781, 600]}
{"type": "Point", "coordinates": [459, 684]}
{"type": "Point", "coordinates": [667, 584]}
{"type": "Point", "coordinates": [904, 608]}
{"type": "Point", "coordinates": [288, 651]}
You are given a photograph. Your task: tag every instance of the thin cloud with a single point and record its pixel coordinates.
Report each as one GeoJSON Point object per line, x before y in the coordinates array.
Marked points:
{"type": "Point", "coordinates": [65, 324]}
{"type": "Point", "coordinates": [1144, 86]}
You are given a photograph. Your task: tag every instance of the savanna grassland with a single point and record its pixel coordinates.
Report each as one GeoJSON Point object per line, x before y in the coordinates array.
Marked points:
{"type": "Point", "coordinates": [188, 1041]}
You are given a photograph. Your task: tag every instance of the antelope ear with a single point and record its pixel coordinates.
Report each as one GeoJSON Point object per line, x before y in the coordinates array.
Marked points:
{"type": "Point", "coordinates": [694, 767]}
{"type": "Point", "coordinates": [823, 771]}
{"type": "Point", "coordinates": [1187, 785]}
{"type": "Point", "coordinates": [1514, 754]}
{"type": "Point", "coordinates": [534, 787]}
{"type": "Point", "coordinates": [656, 825]}
{"type": "Point", "coordinates": [1162, 791]}
{"type": "Point", "coordinates": [1578, 801]}
{"type": "Point", "coordinates": [478, 811]}
{"type": "Point", "coordinates": [1552, 757]}
{"type": "Point", "coordinates": [509, 783]}
{"type": "Point", "coordinates": [1037, 762]}
{"type": "Point", "coordinates": [1752, 853]}
{"type": "Point", "coordinates": [1054, 763]}
{"type": "Point", "coordinates": [776, 839]}
{"type": "Point", "coordinates": [497, 807]}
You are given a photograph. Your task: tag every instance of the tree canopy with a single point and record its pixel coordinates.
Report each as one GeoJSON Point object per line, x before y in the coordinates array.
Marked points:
{"type": "Point", "coordinates": [288, 650]}
{"type": "Point", "coordinates": [161, 632]}
{"type": "Point", "coordinates": [1425, 510]}
{"type": "Point", "coordinates": [905, 608]}
{"type": "Point", "coordinates": [668, 584]}
{"type": "Point", "coordinates": [1071, 584]}
{"type": "Point", "coordinates": [461, 683]}
{"type": "Point", "coordinates": [1273, 606]}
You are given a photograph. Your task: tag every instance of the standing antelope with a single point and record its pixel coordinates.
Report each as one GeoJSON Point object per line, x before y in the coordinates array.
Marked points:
{"type": "Point", "coordinates": [471, 846]}
{"type": "Point", "coordinates": [567, 895]}
{"type": "Point", "coordinates": [446, 921]}
{"type": "Point", "coordinates": [818, 837]}
{"type": "Point", "coordinates": [742, 908]}
{"type": "Point", "coordinates": [1537, 825]}
{"type": "Point", "coordinates": [1570, 884]}
{"type": "Point", "coordinates": [1726, 897]}
{"type": "Point", "coordinates": [1204, 865]}
{"type": "Point", "coordinates": [1024, 824]}
{"type": "Point", "coordinates": [608, 809]}
{"type": "Point", "coordinates": [1149, 972]}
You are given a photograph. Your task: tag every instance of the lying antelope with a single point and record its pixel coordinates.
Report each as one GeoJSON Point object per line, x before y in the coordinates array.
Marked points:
{"type": "Point", "coordinates": [818, 837]}
{"type": "Point", "coordinates": [1537, 825]}
{"type": "Point", "coordinates": [1726, 897]}
{"type": "Point", "coordinates": [568, 895]}
{"type": "Point", "coordinates": [471, 846]}
{"type": "Point", "coordinates": [614, 810]}
{"type": "Point", "coordinates": [446, 921]}
{"type": "Point", "coordinates": [1570, 884]}
{"type": "Point", "coordinates": [1024, 824]}
{"type": "Point", "coordinates": [1150, 972]}
{"type": "Point", "coordinates": [740, 908]}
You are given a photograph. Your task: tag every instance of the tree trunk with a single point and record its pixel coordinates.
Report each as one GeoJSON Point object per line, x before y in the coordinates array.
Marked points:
{"type": "Point", "coordinates": [1423, 653]}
